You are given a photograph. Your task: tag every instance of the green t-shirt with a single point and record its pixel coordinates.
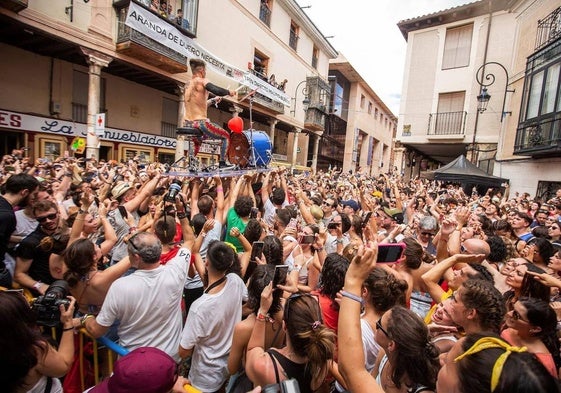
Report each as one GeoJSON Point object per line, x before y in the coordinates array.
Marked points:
{"type": "Point", "coordinates": [234, 221]}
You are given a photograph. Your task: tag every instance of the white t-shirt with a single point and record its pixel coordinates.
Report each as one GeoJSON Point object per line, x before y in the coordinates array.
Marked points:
{"type": "Point", "coordinates": [25, 224]}
{"type": "Point", "coordinates": [331, 243]}
{"type": "Point", "coordinates": [269, 211]}
{"type": "Point", "coordinates": [209, 329]}
{"type": "Point", "coordinates": [41, 384]}
{"type": "Point", "coordinates": [148, 305]}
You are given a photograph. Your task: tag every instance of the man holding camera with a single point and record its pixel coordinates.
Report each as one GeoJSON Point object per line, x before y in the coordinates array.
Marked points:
{"type": "Point", "coordinates": [147, 302]}
{"type": "Point", "coordinates": [21, 190]}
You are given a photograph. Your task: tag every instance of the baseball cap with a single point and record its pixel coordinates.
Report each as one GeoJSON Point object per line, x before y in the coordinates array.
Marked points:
{"type": "Point", "coordinates": [120, 189]}
{"type": "Point", "coordinates": [144, 370]}
{"type": "Point", "coordinates": [395, 214]}
{"type": "Point", "coordinates": [352, 204]}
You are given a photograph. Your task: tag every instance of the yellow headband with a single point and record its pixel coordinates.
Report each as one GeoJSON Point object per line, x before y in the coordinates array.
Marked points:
{"type": "Point", "coordinates": [231, 246]}
{"type": "Point", "coordinates": [492, 342]}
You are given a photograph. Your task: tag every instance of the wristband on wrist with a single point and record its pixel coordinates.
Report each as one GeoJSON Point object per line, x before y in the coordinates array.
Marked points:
{"type": "Point", "coordinates": [181, 215]}
{"type": "Point", "coordinates": [263, 317]}
{"type": "Point", "coordinates": [68, 329]}
{"type": "Point", "coordinates": [219, 189]}
{"type": "Point", "coordinates": [352, 296]}
{"type": "Point", "coordinates": [132, 229]}
{"type": "Point", "coordinates": [37, 285]}
{"type": "Point", "coordinates": [202, 234]}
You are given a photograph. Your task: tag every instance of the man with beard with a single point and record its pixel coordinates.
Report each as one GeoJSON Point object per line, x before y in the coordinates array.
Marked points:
{"type": "Point", "coordinates": [20, 190]}
{"type": "Point", "coordinates": [32, 254]}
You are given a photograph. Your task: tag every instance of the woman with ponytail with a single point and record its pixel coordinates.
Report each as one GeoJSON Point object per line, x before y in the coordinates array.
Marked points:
{"type": "Point", "coordinates": [309, 345]}
{"type": "Point", "coordinates": [88, 284]}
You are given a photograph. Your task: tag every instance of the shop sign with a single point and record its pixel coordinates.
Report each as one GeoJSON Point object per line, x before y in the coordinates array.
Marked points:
{"type": "Point", "coordinates": [24, 122]}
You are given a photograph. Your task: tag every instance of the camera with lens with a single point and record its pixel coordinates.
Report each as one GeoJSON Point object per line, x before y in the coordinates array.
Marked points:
{"type": "Point", "coordinates": [173, 191]}
{"type": "Point", "coordinates": [47, 307]}
{"type": "Point", "coordinates": [288, 386]}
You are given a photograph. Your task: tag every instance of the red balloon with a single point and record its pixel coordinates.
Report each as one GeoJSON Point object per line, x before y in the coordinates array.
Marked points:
{"type": "Point", "coordinates": [235, 124]}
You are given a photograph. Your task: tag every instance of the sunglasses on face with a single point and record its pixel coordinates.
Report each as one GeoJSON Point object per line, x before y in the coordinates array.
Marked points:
{"type": "Point", "coordinates": [380, 327]}
{"type": "Point", "coordinates": [47, 217]}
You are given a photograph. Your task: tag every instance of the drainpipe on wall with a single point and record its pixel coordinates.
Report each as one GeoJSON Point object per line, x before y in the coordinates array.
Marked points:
{"type": "Point", "coordinates": [474, 153]}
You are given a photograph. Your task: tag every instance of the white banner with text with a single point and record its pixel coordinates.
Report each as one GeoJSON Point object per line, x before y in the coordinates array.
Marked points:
{"type": "Point", "coordinates": [166, 34]}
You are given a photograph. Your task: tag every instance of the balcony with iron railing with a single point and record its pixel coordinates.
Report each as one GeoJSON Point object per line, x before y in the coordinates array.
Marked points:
{"type": "Point", "coordinates": [169, 129]}
{"type": "Point", "coordinates": [549, 29]}
{"type": "Point", "coordinates": [265, 13]}
{"type": "Point", "coordinates": [135, 44]}
{"type": "Point", "coordinates": [293, 40]}
{"type": "Point", "coordinates": [447, 123]}
{"type": "Point", "coordinates": [317, 93]}
{"type": "Point", "coordinates": [539, 137]}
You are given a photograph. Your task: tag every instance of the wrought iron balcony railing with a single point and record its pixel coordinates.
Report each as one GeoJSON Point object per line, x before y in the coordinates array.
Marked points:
{"type": "Point", "coordinates": [136, 44]}
{"type": "Point", "coordinates": [539, 137]}
{"type": "Point", "coordinates": [293, 40]}
{"type": "Point", "coordinates": [263, 100]}
{"type": "Point", "coordinates": [549, 29]}
{"type": "Point", "coordinates": [447, 123]}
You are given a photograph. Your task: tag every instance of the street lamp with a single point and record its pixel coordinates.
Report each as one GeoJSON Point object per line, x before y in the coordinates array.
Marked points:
{"type": "Point", "coordinates": [483, 100]}
{"type": "Point", "coordinates": [305, 102]}
{"type": "Point", "coordinates": [487, 79]}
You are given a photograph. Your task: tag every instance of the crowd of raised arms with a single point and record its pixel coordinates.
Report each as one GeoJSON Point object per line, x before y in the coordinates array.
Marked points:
{"type": "Point", "coordinates": [330, 281]}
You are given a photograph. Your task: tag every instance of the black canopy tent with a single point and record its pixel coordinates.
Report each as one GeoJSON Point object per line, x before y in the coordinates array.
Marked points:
{"type": "Point", "coordinates": [462, 171]}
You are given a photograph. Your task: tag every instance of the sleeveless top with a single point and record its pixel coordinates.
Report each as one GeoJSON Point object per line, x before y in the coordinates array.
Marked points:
{"type": "Point", "coordinates": [300, 372]}
{"type": "Point", "coordinates": [417, 388]}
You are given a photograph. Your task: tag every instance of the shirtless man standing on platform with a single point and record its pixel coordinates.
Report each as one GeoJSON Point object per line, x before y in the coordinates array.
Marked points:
{"type": "Point", "coordinates": [196, 103]}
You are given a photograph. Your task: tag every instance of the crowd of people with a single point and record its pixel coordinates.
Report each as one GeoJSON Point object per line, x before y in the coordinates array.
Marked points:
{"type": "Point", "coordinates": [274, 278]}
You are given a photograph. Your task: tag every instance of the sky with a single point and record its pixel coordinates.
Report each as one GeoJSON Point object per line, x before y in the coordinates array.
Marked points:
{"type": "Point", "coordinates": [366, 33]}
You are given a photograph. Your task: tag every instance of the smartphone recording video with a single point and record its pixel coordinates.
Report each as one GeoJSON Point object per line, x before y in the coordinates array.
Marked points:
{"type": "Point", "coordinates": [333, 225]}
{"type": "Point", "coordinates": [389, 253]}
{"type": "Point", "coordinates": [280, 275]}
{"type": "Point", "coordinates": [256, 251]}
{"type": "Point", "coordinates": [307, 239]}
{"type": "Point", "coordinates": [366, 219]}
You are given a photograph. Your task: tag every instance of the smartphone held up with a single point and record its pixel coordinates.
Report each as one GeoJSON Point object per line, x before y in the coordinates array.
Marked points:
{"type": "Point", "coordinates": [390, 252]}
